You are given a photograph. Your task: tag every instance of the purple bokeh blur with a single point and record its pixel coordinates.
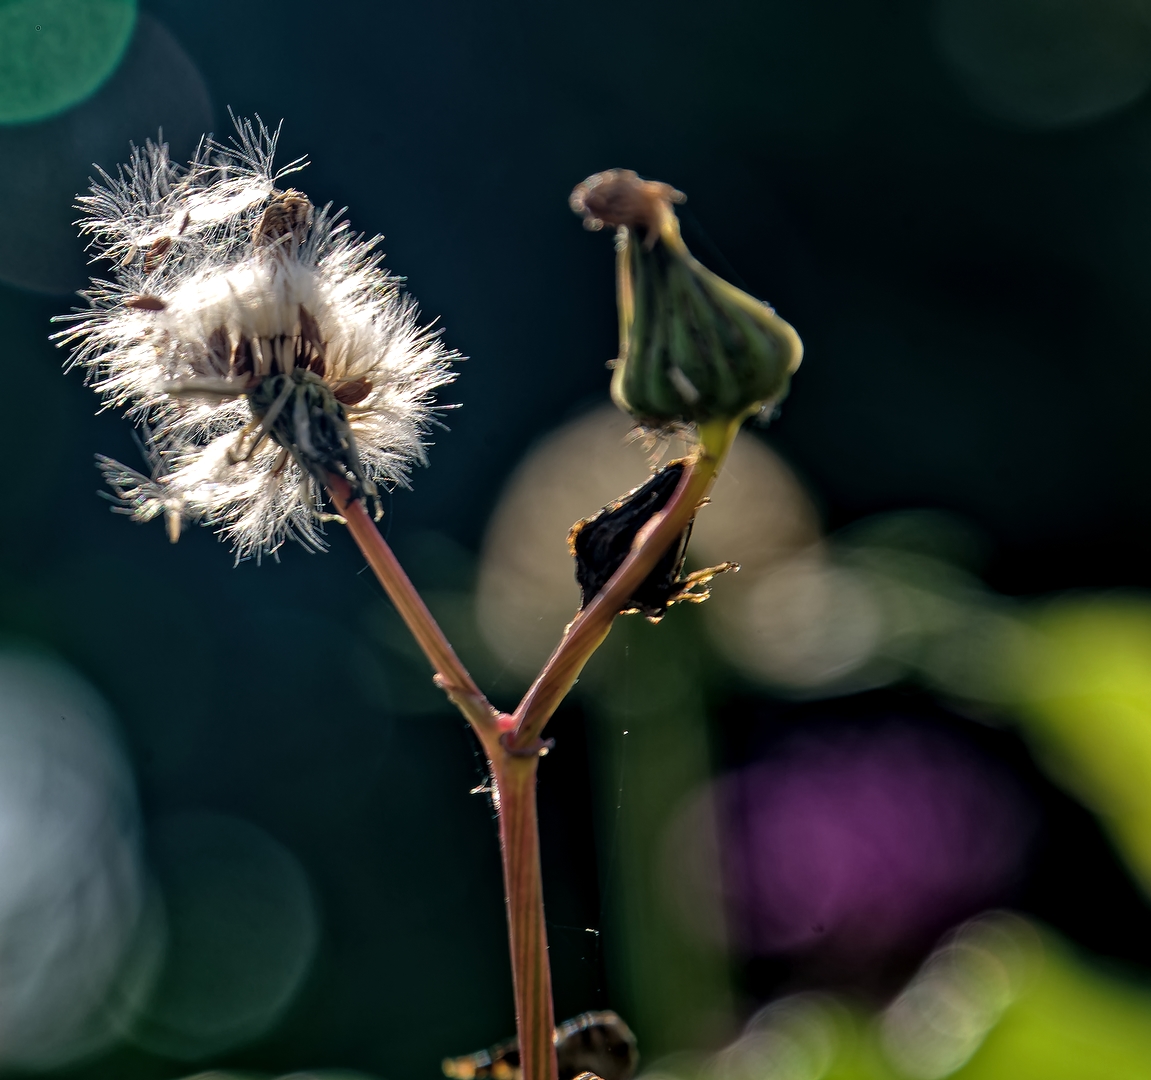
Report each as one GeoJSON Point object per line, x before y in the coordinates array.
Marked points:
{"type": "Point", "coordinates": [856, 844]}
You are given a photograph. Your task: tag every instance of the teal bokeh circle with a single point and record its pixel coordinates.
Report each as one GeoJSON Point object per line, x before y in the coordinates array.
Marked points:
{"type": "Point", "coordinates": [55, 53]}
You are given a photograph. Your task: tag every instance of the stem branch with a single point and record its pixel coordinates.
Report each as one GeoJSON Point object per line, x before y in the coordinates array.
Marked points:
{"type": "Point", "coordinates": [512, 743]}
{"type": "Point", "coordinates": [451, 675]}
{"type": "Point", "coordinates": [587, 631]}
{"type": "Point", "coordinates": [514, 779]}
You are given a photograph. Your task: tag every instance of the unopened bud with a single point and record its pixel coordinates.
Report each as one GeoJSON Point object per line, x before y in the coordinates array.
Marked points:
{"type": "Point", "coordinates": [693, 348]}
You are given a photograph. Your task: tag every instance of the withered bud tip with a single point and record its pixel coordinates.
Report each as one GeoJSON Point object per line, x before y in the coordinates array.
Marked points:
{"type": "Point", "coordinates": [619, 197]}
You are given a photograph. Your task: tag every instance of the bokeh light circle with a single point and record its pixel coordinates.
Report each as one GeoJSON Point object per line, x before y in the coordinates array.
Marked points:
{"type": "Point", "coordinates": [758, 513]}
{"type": "Point", "coordinates": [55, 53]}
{"type": "Point", "coordinates": [958, 996]}
{"type": "Point", "coordinates": [71, 883]}
{"type": "Point", "coordinates": [1048, 63]}
{"type": "Point", "coordinates": [858, 843]}
{"type": "Point", "coordinates": [806, 625]}
{"type": "Point", "coordinates": [240, 929]}
{"type": "Point", "coordinates": [794, 1038]}
{"type": "Point", "coordinates": [47, 164]}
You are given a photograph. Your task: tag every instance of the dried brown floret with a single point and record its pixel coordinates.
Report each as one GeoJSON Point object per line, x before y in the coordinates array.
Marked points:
{"type": "Point", "coordinates": [619, 197]}
{"type": "Point", "coordinates": [601, 542]}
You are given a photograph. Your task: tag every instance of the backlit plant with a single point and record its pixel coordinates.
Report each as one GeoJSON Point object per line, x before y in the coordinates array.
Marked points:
{"type": "Point", "coordinates": [281, 379]}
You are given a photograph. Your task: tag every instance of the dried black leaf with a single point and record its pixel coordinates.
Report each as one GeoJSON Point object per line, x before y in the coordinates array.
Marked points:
{"type": "Point", "coordinates": [601, 542]}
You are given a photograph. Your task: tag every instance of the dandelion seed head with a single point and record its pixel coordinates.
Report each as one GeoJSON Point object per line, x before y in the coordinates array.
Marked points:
{"type": "Point", "coordinates": [257, 338]}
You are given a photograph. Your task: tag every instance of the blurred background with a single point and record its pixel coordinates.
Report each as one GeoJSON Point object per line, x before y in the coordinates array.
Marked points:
{"type": "Point", "coordinates": [881, 808]}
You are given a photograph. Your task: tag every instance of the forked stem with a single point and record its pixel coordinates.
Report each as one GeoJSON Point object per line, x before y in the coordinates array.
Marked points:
{"type": "Point", "coordinates": [514, 780]}
{"type": "Point", "coordinates": [451, 675]}
{"type": "Point", "coordinates": [513, 743]}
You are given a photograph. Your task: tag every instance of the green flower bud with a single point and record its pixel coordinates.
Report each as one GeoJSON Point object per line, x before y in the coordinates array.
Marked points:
{"type": "Point", "coordinates": [693, 348]}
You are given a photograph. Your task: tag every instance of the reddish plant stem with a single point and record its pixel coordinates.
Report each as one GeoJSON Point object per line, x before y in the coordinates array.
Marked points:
{"type": "Point", "coordinates": [514, 776]}
{"type": "Point", "coordinates": [451, 675]}
{"type": "Point", "coordinates": [513, 743]}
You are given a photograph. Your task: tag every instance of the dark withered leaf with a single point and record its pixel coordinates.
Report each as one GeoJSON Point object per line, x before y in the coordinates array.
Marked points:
{"type": "Point", "coordinates": [601, 542]}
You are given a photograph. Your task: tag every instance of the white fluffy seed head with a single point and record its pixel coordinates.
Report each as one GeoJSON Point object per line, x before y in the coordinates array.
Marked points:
{"type": "Point", "coordinates": [258, 340]}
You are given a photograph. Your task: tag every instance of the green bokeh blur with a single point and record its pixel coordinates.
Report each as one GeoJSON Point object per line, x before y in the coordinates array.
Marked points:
{"type": "Point", "coordinates": [54, 53]}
